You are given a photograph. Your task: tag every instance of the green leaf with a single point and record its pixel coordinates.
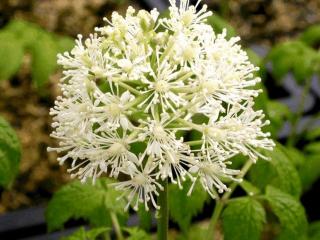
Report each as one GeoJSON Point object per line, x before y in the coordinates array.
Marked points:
{"type": "Point", "coordinates": [314, 231]}
{"type": "Point", "coordinates": [145, 218]}
{"type": "Point", "coordinates": [262, 173]}
{"type": "Point", "coordinates": [262, 99]}
{"type": "Point", "coordinates": [313, 134]}
{"type": "Point", "coordinates": [10, 154]}
{"type": "Point", "coordinates": [277, 114]}
{"type": "Point", "coordinates": [290, 212]}
{"type": "Point", "coordinates": [137, 234]}
{"type": "Point", "coordinates": [310, 171]}
{"type": "Point", "coordinates": [276, 172]}
{"type": "Point", "coordinates": [254, 58]}
{"type": "Point", "coordinates": [295, 56]}
{"type": "Point", "coordinates": [195, 232]}
{"type": "Point", "coordinates": [88, 201]}
{"type": "Point", "coordinates": [218, 24]}
{"type": "Point", "coordinates": [312, 147]}
{"type": "Point", "coordinates": [296, 156]}
{"type": "Point", "coordinates": [26, 32]}
{"type": "Point", "coordinates": [183, 207]}
{"type": "Point", "coordinates": [311, 36]}
{"type": "Point", "coordinates": [64, 44]}
{"type": "Point", "coordinates": [82, 234]}
{"type": "Point", "coordinates": [243, 219]}
{"type": "Point", "coordinates": [11, 55]}
{"type": "Point", "coordinates": [44, 59]}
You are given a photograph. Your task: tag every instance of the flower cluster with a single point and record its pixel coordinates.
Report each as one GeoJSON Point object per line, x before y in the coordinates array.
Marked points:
{"type": "Point", "coordinates": [151, 99]}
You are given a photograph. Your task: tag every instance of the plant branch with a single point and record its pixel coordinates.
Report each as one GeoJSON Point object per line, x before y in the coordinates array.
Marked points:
{"type": "Point", "coordinates": [116, 226]}
{"type": "Point", "coordinates": [220, 203]}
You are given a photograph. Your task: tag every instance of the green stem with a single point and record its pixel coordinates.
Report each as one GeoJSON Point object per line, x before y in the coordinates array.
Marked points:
{"type": "Point", "coordinates": [129, 88]}
{"type": "Point", "coordinates": [292, 139]}
{"type": "Point", "coordinates": [116, 226]}
{"type": "Point", "coordinates": [220, 203]}
{"type": "Point", "coordinates": [163, 214]}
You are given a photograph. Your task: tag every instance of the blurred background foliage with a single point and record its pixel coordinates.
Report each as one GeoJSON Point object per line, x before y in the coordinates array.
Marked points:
{"type": "Point", "coordinates": [281, 37]}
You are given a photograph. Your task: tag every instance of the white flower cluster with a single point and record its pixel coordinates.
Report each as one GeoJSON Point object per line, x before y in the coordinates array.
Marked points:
{"type": "Point", "coordinates": [137, 88]}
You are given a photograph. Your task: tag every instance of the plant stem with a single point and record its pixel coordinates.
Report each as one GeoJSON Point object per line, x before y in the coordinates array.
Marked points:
{"type": "Point", "coordinates": [116, 226]}
{"type": "Point", "coordinates": [129, 88]}
{"type": "Point", "coordinates": [215, 217]}
{"type": "Point", "coordinates": [220, 203]}
{"type": "Point", "coordinates": [295, 121]}
{"type": "Point", "coordinates": [163, 214]}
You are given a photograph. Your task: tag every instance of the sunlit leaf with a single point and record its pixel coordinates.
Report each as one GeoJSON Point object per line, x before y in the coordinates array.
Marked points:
{"type": "Point", "coordinates": [10, 154]}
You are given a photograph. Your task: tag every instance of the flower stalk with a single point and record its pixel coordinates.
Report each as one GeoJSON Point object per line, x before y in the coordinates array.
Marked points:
{"type": "Point", "coordinates": [163, 213]}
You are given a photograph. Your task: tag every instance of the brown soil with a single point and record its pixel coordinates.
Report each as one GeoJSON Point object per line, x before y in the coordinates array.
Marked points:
{"type": "Point", "coordinates": [262, 21]}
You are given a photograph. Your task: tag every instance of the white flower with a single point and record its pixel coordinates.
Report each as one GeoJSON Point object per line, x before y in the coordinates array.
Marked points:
{"type": "Point", "coordinates": [141, 188]}
{"type": "Point", "coordinates": [160, 138]}
{"type": "Point", "coordinates": [161, 88]}
{"type": "Point", "coordinates": [239, 131]}
{"type": "Point", "coordinates": [110, 110]}
{"type": "Point", "coordinates": [158, 99]}
{"type": "Point", "coordinates": [211, 171]}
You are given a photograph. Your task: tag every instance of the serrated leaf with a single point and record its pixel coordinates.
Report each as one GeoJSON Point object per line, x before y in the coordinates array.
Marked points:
{"type": "Point", "coordinates": [183, 207]}
{"type": "Point", "coordinates": [44, 59]}
{"type": "Point", "coordinates": [88, 201]}
{"type": "Point", "coordinates": [243, 219]}
{"type": "Point", "coordinates": [82, 234]}
{"type": "Point", "coordinates": [218, 24]}
{"type": "Point", "coordinates": [11, 55]}
{"type": "Point", "coordinates": [290, 212]}
{"type": "Point", "coordinates": [10, 153]}
{"type": "Point", "coordinates": [261, 174]}
{"type": "Point", "coordinates": [276, 172]}
{"type": "Point", "coordinates": [137, 234]}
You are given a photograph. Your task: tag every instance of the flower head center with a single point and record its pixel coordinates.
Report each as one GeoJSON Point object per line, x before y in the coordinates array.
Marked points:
{"type": "Point", "coordinates": [187, 17]}
{"type": "Point", "coordinates": [139, 179]}
{"type": "Point", "coordinates": [158, 131]}
{"type": "Point", "coordinates": [215, 133]}
{"type": "Point", "coordinates": [189, 53]}
{"type": "Point", "coordinates": [125, 64]}
{"type": "Point", "coordinates": [210, 86]}
{"type": "Point", "coordinates": [117, 148]}
{"type": "Point", "coordinates": [114, 109]}
{"type": "Point", "coordinates": [161, 86]}
{"type": "Point", "coordinates": [209, 168]}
